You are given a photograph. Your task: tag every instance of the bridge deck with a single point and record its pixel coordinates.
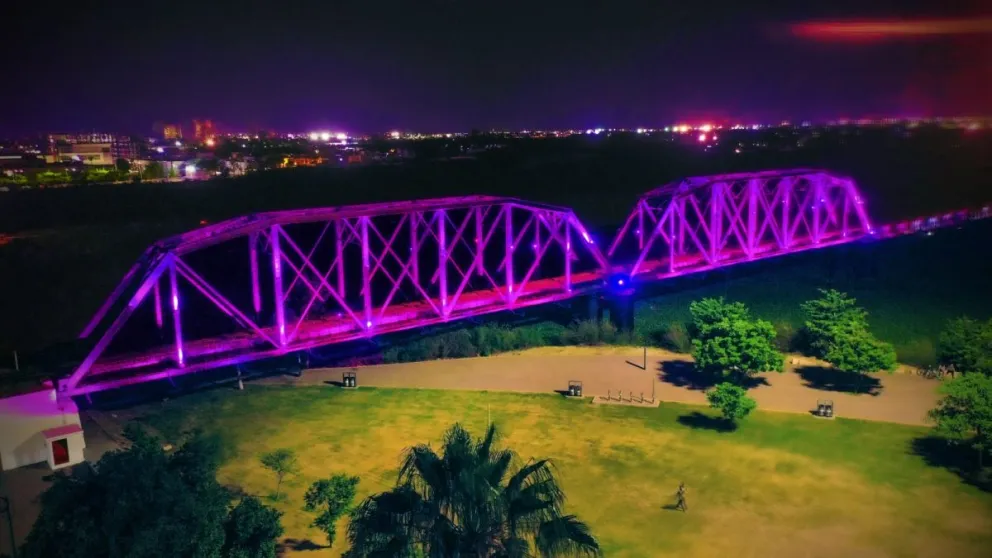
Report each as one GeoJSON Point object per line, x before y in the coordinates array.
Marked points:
{"type": "Point", "coordinates": [226, 350]}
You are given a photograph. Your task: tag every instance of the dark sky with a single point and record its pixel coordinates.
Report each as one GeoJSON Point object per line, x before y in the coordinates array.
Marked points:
{"type": "Point", "coordinates": [433, 65]}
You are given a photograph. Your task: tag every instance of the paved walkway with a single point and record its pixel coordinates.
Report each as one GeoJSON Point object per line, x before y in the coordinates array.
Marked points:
{"type": "Point", "coordinates": [900, 397]}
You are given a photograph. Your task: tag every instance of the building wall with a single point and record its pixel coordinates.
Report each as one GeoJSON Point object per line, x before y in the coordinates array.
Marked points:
{"type": "Point", "coordinates": [23, 418]}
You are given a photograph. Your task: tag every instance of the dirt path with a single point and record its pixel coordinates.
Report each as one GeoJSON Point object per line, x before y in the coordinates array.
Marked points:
{"type": "Point", "coordinates": [901, 398]}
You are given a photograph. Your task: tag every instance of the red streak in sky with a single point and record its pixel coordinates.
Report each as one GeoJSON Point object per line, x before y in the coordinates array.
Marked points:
{"type": "Point", "coordinates": [871, 30]}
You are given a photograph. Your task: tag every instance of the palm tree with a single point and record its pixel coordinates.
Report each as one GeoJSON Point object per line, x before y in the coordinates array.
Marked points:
{"type": "Point", "coordinates": [465, 503]}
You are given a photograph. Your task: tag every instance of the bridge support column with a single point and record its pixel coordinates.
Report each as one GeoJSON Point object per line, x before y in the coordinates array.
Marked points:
{"type": "Point", "coordinates": [621, 312]}
{"type": "Point", "coordinates": [593, 310]}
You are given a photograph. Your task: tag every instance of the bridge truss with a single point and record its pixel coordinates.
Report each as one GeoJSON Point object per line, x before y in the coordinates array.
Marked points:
{"type": "Point", "coordinates": [274, 283]}
{"type": "Point", "coordinates": [286, 281]}
{"type": "Point", "coordinates": [707, 222]}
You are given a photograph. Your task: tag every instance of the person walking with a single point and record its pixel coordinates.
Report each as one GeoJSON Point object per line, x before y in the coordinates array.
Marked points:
{"type": "Point", "coordinates": [680, 503]}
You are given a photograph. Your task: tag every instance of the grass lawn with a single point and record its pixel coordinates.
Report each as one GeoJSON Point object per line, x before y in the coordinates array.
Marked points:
{"type": "Point", "coordinates": [781, 485]}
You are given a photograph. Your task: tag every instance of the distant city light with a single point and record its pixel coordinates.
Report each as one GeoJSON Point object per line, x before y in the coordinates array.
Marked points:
{"type": "Point", "coordinates": [702, 138]}
{"type": "Point", "coordinates": [179, 143]}
{"type": "Point", "coordinates": [706, 128]}
{"type": "Point", "coordinates": [394, 135]}
{"type": "Point", "coordinates": [589, 131]}
{"type": "Point", "coordinates": [210, 142]}
{"type": "Point", "coordinates": [640, 130]}
{"type": "Point", "coordinates": [342, 136]}
{"type": "Point", "coordinates": [668, 129]}
{"type": "Point", "coordinates": [598, 131]}
{"type": "Point", "coordinates": [314, 136]}
{"type": "Point", "coordinates": [190, 169]}
{"type": "Point", "coordinates": [160, 149]}
{"type": "Point", "coordinates": [325, 136]}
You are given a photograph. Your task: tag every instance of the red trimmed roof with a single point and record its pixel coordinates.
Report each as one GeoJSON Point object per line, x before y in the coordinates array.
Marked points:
{"type": "Point", "coordinates": [62, 431]}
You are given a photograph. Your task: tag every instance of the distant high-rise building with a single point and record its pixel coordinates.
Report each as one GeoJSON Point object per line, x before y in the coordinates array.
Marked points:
{"type": "Point", "coordinates": [203, 130]}
{"type": "Point", "coordinates": [172, 132]}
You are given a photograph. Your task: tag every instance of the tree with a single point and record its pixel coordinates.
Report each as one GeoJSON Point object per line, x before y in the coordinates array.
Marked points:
{"type": "Point", "coordinates": [251, 530]}
{"type": "Point", "coordinates": [732, 401]}
{"type": "Point", "coordinates": [728, 343]}
{"type": "Point", "coordinates": [154, 170]}
{"type": "Point", "coordinates": [860, 353]}
{"type": "Point", "coordinates": [964, 414]}
{"type": "Point", "coordinates": [826, 316]}
{"type": "Point", "coordinates": [142, 502]}
{"type": "Point", "coordinates": [471, 500]}
{"type": "Point", "coordinates": [123, 165]}
{"type": "Point", "coordinates": [334, 497]}
{"type": "Point", "coordinates": [965, 345]}
{"type": "Point", "coordinates": [282, 462]}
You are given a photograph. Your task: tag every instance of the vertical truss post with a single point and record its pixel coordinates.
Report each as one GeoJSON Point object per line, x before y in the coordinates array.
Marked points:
{"type": "Point", "coordinates": [176, 319]}
{"type": "Point", "coordinates": [339, 255]}
{"type": "Point", "coordinates": [415, 247]}
{"type": "Point", "coordinates": [845, 214]}
{"type": "Point", "coordinates": [157, 293]}
{"type": "Point", "coordinates": [256, 293]}
{"type": "Point", "coordinates": [640, 226]}
{"type": "Point", "coordinates": [818, 201]}
{"type": "Point", "coordinates": [537, 233]}
{"type": "Point", "coordinates": [682, 226]}
{"type": "Point", "coordinates": [479, 247]}
{"type": "Point", "coordinates": [785, 187]}
{"type": "Point", "coordinates": [671, 237]}
{"type": "Point", "coordinates": [277, 284]}
{"type": "Point", "coordinates": [859, 207]}
{"type": "Point", "coordinates": [716, 221]}
{"type": "Point", "coordinates": [509, 252]}
{"type": "Point", "coordinates": [568, 256]}
{"type": "Point", "coordinates": [442, 259]}
{"type": "Point", "coordinates": [752, 216]}
{"type": "Point", "coordinates": [366, 273]}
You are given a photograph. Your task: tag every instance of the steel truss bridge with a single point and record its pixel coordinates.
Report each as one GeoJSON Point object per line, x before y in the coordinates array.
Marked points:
{"type": "Point", "coordinates": [274, 283]}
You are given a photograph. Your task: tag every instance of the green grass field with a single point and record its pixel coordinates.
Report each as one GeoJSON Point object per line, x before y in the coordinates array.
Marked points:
{"type": "Point", "coordinates": [781, 485]}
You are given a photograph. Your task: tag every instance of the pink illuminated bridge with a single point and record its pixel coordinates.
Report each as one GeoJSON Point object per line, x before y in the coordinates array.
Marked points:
{"type": "Point", "coordinates": [271, 284]}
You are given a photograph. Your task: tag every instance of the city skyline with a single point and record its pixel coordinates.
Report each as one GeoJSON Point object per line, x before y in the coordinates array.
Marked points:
{"type": "Point", "coordinates": [460, 66]}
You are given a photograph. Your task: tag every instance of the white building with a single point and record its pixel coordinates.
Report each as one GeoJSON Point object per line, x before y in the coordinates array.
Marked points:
{"type": "Point", "coordinates": [40, 427]}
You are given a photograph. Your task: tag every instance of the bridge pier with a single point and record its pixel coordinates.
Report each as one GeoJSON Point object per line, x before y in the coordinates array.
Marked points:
{"type": "Point", "coordinates": [621, 309]}
{"type": "Point", "coordinates": [595, 308]}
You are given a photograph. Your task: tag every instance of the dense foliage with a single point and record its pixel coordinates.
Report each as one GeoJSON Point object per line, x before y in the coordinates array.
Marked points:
{"type": "Point", "coordinates": [965, 345]}
{"type": "Point", "coordinates": [964, 414]}
{"type": "Point", "coordinates": [728, 342]}
{"type": "Point", "coordinates": [732, 401]}
{"type": "Point", "coordinates": [859, 352]}
{"type": "Point", "coordinates": [469, 500]}
{"type": "Point", "coordinates": [837, 331]}
{"type": "Point", "coordinates": [830, 316]}
{"type": "Point", "coordinates": [332, 498]}
{"type": "Point", "coordinates": [144, 502]}
{"type": "Point", "coordinates": [487, 340]}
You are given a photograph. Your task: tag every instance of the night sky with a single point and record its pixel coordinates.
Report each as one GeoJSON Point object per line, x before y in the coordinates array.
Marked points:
{"type": "Point", "coordinates": [431, 65]}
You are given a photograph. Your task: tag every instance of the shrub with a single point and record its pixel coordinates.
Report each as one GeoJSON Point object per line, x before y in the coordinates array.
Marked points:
{"type": "Point", "coordinates": [456, 344]}
{"type": "Point", "coordinates": [676, 338]}
{"type": "Point", "coordinates": [583, 332]}
{"type": "Point", "coordinates": [732, 401]}
{"type": "Point", "coordinates": [787, 337]}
